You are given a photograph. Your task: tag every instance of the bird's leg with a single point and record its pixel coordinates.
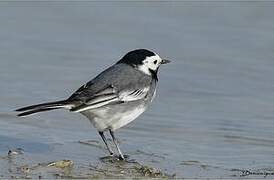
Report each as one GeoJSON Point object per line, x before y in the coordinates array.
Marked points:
{"type": "Point", "coordinates": [105, 141]}
{"type": "Point", "coordinates": [121, 156]}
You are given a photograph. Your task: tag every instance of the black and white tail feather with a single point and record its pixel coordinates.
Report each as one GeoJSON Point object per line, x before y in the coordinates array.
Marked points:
{"type": "Point", "coordinates": [44, 107]}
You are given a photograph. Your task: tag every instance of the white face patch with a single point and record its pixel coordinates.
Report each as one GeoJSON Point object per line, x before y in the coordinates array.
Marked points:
{"type": "Point", "coordinates": [152, 62]}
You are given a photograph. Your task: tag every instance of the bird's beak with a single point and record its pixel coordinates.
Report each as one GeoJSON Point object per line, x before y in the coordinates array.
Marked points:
{"type": "Point", "coordinates": [165, 61]}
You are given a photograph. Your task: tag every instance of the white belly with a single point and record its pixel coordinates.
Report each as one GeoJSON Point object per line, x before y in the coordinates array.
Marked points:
{"type": "Point", "coordinates": [106, 118]}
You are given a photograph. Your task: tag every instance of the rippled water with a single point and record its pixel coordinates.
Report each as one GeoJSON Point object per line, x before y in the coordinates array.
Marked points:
{"type": "Point", "coordinates": [214, 109]}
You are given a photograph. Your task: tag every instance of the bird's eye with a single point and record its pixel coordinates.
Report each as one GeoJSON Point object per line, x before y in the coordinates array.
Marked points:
{"type": "Point", "coordinates": [155, 62]}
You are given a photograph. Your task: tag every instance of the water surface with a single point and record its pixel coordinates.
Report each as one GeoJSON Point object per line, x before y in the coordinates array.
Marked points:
{"type": "Point", "coordinates": [214, 108]}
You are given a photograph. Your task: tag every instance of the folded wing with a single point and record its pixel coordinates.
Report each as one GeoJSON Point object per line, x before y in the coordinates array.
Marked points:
{"type": "Point", "coordinates": [110, 95]}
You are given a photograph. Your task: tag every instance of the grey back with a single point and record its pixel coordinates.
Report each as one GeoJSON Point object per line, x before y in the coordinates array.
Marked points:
{"type": "Point", "coordinates": [120, 76]}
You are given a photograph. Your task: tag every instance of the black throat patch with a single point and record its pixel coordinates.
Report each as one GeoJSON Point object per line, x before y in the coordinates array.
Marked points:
{"type": "Point", "coordinates": [154, 74]}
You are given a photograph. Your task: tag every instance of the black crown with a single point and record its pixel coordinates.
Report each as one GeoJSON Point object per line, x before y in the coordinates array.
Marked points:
{"type": "Point", "coordinates": [136, 57]}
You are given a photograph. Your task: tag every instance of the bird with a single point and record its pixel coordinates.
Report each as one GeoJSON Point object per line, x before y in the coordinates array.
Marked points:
{"type": "Point", "coordinates": [115, 97]}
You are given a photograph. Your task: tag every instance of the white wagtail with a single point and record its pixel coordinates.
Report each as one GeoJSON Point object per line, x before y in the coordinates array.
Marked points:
{"type": "Point", "coordinates": [115, 97]}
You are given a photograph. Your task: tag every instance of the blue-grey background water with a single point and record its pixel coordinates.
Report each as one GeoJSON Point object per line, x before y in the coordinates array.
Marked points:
{"type": "Point", "coordinates": [214, 110]}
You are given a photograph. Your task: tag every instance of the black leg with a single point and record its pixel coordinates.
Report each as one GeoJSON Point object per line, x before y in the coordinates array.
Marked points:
{"type": "Point", "coordinates": [105, 141]}
{"type": "Point", "coordinates": [121, 156]}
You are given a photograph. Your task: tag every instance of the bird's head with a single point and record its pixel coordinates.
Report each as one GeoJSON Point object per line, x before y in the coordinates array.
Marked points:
{"type": "Point", "coordinates": [144, 60]}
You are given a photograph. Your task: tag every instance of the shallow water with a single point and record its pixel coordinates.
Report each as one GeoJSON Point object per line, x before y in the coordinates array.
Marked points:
{"type": "Point", "coordinates": [213, 114]}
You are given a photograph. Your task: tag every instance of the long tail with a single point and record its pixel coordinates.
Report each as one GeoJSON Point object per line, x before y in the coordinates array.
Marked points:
{"type": "Point", "coordinates": [44, 107]}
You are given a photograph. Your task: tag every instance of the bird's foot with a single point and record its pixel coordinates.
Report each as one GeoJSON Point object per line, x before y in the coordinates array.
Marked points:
{"type": "Point", "coordinates": [116, 158]}
{"type": "Point", "coordinates": [125, 158]}
{"type": "Point", "coordinates": [121, 157]}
